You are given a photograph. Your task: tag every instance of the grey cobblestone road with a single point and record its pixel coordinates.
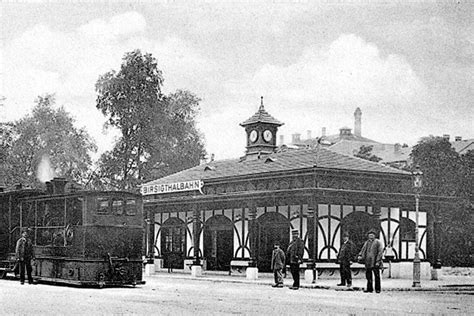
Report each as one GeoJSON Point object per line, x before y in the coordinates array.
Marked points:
{"type": "Point", "coordinates": [163, 295]}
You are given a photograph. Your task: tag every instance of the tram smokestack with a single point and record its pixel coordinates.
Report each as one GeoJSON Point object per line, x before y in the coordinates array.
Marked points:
{"type": "Point", "coordinates": [49, 187]}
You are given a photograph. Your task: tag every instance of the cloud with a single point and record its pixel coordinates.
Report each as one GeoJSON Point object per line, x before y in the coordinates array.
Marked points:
{"type": "Point", "coordinates": [230, 56]}
{"type": "Point", "coordinates": [347, 72]}
{"type": "Point", "coordinates": [45, 60]}
{"type": "Point", "coordinates": [325, 85]}
{"type": "Point", "coordinates": [121, 25]}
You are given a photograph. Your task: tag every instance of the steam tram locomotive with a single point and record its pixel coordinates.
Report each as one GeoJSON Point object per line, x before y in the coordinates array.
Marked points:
{"type": "Point", "coordinates": [82, 238]}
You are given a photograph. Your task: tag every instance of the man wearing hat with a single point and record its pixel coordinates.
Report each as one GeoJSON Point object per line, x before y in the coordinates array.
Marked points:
{"type": "Point", "coordinates": [344, 257]}
{"type": "Point", "coordinates": [371, 255]}
{"type": "Point", "coordinates": [277, 265]}
{"type": "Point", "coordinates": [295, 257]}
{"type": "Point", "coordinates": [24, 255]}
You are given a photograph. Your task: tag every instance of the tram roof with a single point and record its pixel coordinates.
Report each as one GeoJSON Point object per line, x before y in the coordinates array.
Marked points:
{"type": "Point", "coordinates": [321, 158]}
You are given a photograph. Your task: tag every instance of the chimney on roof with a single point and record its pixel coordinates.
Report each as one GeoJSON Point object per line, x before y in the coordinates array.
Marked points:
{"type": "Point", "coordinates": [358, 122]}
{"type": "Point", "coordinates": [295, 138]}
{"type": "Point", "coordinates": [397, 147]}
{"type": "Point", "coordinates": [446, 136]}
{"type": "Point", "coordinates": [323, 132]}
{"type": "Point", "coordinates": [202, 160]}
{"type": "Point", "coordinates": [282, 140]}
{"type": "Point", "coordinates": [308, 134]}
{"type": "Point", "coordinates": [345, 131]}
{"type": "Point", "coordinates": [457, 138]}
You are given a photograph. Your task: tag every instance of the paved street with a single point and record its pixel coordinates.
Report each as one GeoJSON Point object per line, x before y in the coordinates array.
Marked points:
{"type": "Point", "coordinates": [164, 295]}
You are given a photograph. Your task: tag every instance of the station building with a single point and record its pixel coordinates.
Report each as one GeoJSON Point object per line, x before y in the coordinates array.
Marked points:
{"type": "Point", "coordinates": [226, 215]}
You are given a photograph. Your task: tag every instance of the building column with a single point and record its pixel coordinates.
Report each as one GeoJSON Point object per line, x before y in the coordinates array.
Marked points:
{"type": "Point", "coordinates": [150, 242]}
{"type": "Point", "coordinates": [150, 233]}
{"type": "Point", "coordinates": [253, 233]}
{"type": "Point", "coordinates": [377, 210]}
{"type": "Point", "coordinates": [312, 226]}
{"type": "Point", "coordinates": [196, 234]}
{"type": "Point", "coordinates": [252, 270]}
{"type": "Point", "coordinates": [437, 237]}
{"type": "Point", "coordinates": [196, 267]}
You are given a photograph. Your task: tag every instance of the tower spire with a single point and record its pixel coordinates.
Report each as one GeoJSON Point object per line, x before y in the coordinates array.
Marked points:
{"type": "Point", "coordinates": [261, 103]}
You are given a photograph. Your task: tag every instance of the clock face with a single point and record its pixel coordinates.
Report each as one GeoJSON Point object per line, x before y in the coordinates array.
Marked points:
{"type": "Point", "coordinates": [253, 136]}
{"type": "Point", "coordinates": [267, 135]}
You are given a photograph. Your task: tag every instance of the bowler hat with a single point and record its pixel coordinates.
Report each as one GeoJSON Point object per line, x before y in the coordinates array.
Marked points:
{"type": "Point", "coordinates": [372, 231]}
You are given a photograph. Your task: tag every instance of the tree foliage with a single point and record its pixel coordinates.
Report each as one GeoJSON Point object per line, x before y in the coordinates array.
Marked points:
{"type": "Point", "coordinates": [47, 133]}
{"type": "Point", "coordinates": [365, 152]}
{"type": "Point", "coordinates": [446, 173]}
{"type": "Point", "coordinates": [158, 132]}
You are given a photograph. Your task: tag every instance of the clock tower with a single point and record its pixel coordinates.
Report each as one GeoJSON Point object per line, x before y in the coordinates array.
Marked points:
{"type": "Point", "coordinates": [261, 130]}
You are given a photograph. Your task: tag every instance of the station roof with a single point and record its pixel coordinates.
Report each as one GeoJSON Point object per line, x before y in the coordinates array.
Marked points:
{"type": "Point", "coordinates": [278, 162]}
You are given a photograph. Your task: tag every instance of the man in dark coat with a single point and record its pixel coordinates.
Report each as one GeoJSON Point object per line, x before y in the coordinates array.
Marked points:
{"type": "Point", "coordinates": [277, 265]}
{"type": "Point", "coordinates": [344, 257]}
{"type": "Point", "coordinates": [371, 255]}
{"type": "Point", "coordinates": [24, 255]}
{"type": "Point", "coordinates": [295, 258]}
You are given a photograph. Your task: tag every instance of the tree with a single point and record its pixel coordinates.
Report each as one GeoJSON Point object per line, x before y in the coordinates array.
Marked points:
{"type": "Point", "coordinates": [365, 152]}
{"type": "Point", "coordinates": [181, 146]}
{"type": "Point", "coordinates": [47, 135]}
{"type": "Point", "coordinates": [441, 166]}
{"type": "Point", "coordinates": [158, 133]}
{"type": "Point", "coordinates": [445, 173]}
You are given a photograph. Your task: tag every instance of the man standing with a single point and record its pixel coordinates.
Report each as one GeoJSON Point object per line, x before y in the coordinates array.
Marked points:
{"type": "Point", "coordinates": [277, 265]}
{"type": "Point", "coordinates": [344, 257]}
{"type": "Point", "coordinates": [295, 257]}
{"type": "Point", "coordinates": [371, 255]}
{"type": "Point", "coordinates": [24, 255]}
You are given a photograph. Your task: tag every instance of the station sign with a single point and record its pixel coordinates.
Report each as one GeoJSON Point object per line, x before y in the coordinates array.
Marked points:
{"type": "Point", "coordinates": [172, 187]}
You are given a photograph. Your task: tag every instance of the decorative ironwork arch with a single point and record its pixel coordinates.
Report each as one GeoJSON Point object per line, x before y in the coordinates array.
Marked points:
{"type": "Point", "coordinates": [272, 227]}
{"type": "Point", "coordinates": [357, 224]}
{"type": "Point", "coordinates": [173, 242]}
{"type": "Point", "coordinates": [218, 242]}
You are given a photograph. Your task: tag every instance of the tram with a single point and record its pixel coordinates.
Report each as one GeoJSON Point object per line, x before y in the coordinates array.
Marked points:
{"type": "Point", "coordinates": [90, 238]}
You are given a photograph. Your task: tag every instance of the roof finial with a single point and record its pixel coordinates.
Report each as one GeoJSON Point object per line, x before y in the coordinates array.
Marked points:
{"type": "Point", "coordinates": [261, 103]}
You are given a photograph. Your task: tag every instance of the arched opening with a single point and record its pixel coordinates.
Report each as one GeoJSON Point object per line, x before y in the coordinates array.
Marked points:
{"type": "Point", "coordinates": [173, 243]}
{"type": "Point", "coordinates": [218, 243]}
{"type": "Point", "coordinates": [272, 227]}
{"type": "Point", "coordinates": [357, 224]}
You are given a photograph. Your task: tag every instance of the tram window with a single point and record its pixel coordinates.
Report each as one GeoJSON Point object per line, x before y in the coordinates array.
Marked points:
{"type": "Point", "coordinates": [102, 205]}
{"type": "Point", "coordinates": [74, 211]}
{"type": "Point", "coordinates": [117, 206]}
{"type": "Point", "coordinates": [131, 207]}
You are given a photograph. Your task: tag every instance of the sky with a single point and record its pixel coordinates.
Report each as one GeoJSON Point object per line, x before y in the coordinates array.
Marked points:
{"type": "Point", "coordinates": [409, 67]}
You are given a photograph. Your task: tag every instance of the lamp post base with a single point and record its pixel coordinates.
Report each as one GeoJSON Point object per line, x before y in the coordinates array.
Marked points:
{"type": "Point", "coordinates": [416, 271]}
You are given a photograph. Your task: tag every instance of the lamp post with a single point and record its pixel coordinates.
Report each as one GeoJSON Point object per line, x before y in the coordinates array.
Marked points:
{"type": "Point", "coordinates": [417, 185]}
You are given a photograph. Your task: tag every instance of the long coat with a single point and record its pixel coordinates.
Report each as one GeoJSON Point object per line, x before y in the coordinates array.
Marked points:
{"type": "Point", "coordinates": [295, 251]}
{"type": "Point", "coordinates": [24, 249]}
{"type": "Point", "coordinates": [278, 259]}
{"type": "Point", "coordinates": [371, 253]}
{"type": "Point", "coordinates": [346, 252]}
